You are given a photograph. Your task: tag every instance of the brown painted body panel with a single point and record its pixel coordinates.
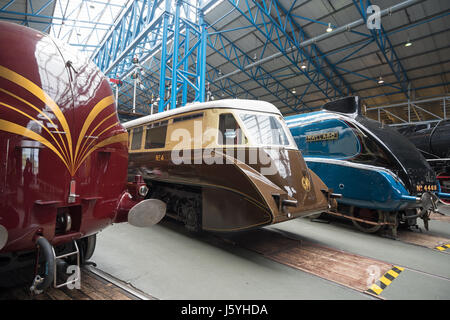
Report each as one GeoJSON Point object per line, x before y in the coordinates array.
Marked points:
{"type": "Point", "coordinates": [58, 123]}
{"type": "Point", "coordinates": [235, 195]}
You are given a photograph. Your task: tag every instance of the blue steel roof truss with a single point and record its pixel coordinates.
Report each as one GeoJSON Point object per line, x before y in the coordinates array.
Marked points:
{"type": "Point", "coordinates": [170, 37]}
{"type": "Point", "coordinates": [384, 44]}
{"type": "Point", "coordinates": [285, 29]}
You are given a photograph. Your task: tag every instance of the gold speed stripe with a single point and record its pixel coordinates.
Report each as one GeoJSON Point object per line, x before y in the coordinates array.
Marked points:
{"type": "Point", "coordinates": [16, 129]}
{"type": "Point", "coordinates": [122, 137]}
{"type": "Point", "coordinates": [91, 133]}
{"type": "Point", "coordinates": [443, 247]}
{"type": "Point", "coordinates": [66, 154]}
{"type": "Point", "coordinates": [44, 97]}
{"type": "Point", "coordinates": [38, 122]}
{"type": "Point", "coordinates": [102, 104]}
{"type": "Point", "coordinates": [385, 280]}
{"type": "Point", "coordinates": [90, 143]}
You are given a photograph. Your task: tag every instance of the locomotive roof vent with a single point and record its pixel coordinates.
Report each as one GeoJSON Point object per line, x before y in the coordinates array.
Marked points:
{"type": "Point", "coordinates": [348, 105]}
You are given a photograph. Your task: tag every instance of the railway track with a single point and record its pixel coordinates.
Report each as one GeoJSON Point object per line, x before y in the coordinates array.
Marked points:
{"type": "Point", "coordinates": [440, 217]}
{"type": "Point", "coordinates": [414, 236]}
{"type": "Point", "coordinates": [95, 285]}
{"type": "Point", "coordinates": [425, 240]}
{"type": "Point", "coordinates": [353, 271]}
{"type": "Point", "coordinates": [357, 272]}
{"type": "Point", "coordinates": [367, 275]}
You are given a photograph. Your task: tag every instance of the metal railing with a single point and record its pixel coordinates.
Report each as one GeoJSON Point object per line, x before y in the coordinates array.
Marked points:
{"type": "Point", "coordinates": [412, 106]}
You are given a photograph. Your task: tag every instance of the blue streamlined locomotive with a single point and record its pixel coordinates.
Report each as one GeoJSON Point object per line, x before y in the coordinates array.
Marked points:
{"type": "Point", "coordinates": [384, 180]}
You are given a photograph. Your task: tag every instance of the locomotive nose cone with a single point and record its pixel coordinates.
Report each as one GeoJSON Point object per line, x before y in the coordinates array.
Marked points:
{"type": "Point", "coordinates": [3, 236]}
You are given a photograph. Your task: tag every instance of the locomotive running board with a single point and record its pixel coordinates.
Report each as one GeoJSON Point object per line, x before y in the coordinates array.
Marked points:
{"type": "Point", "coordinates": [359, 219]}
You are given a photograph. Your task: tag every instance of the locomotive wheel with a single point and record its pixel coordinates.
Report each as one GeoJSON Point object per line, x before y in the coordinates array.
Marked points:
{"type": "Point", "coordinates": [192, 218]}
{"type": "Point", "coordinates": [181, 212]}
{"type": "Point", "coordinates": [87, 247]}
{"type": "Point", "coordinates": [366, 214]}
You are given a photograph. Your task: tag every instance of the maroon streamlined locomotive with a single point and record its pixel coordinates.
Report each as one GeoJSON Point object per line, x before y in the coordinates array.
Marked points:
{"type": "Point", "coordinates": [63, 158]}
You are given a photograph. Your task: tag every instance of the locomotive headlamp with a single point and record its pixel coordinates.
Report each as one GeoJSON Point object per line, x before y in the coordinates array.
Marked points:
{"type": "Point", "coordinates": [63, 223]}
{"type": "Point", "coordinates": [72, 195]}
{"type": "Point", "coordinates": [143, 190]}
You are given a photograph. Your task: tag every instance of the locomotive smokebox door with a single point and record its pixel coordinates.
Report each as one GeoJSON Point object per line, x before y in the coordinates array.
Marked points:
{"type": "Point", "coordinates": [147, 213]}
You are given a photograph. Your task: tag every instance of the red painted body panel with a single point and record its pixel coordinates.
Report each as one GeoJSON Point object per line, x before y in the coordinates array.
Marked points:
{"type": "Point", "coordinates": [58, 122]}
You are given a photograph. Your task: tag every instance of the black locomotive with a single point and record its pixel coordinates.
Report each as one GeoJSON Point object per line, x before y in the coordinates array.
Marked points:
{"type": "Point", "coordinates": [433, 141]}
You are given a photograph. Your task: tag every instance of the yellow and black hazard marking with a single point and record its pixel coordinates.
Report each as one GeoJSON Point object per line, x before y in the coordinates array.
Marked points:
{"type": "Point", "coordinates": [385, 280]}
{"type": "Point", "coordinates": [443, 247]}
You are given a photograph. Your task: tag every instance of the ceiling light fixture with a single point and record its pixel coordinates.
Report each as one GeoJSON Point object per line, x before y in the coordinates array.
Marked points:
{"type": "Point", "coordinates": [293, 91]}
{"type": "Point", "coordinates": [408, 43]}
{"type": "Point", "coordinates": [380, 80]}
{"type": "Point", "coordinates": [303, 66]}
{"type": "Point", "coordinates": [329, 29]}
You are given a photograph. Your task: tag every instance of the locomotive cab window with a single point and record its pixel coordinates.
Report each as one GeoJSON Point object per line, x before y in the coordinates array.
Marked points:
{"type": "Point", "coordinates": [155, 136]}
{"type": "Point", "coordinates": [229, 130]}
{"type": "Point", "coordinates": [264, 129]}
{"type": "Point", "coordinates": [136, 140]}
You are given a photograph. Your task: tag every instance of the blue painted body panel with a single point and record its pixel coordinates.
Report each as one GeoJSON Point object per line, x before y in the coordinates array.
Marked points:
{"type": "Point", "coordinates": [374, 189]}
{"type": "Point", "coordinates": [360, 185]}
{"type": "Point", "coordinates": [346, 147]}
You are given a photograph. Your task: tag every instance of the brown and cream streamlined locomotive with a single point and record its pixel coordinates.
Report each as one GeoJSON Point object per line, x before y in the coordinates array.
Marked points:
{"type": "Point", "coordinates": [224, 165]}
